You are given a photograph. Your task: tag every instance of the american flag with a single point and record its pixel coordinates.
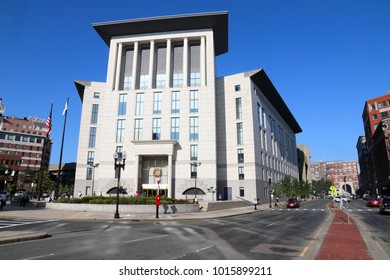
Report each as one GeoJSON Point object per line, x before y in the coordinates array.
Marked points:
{"type": "Point", "coordinates": [48, 123]}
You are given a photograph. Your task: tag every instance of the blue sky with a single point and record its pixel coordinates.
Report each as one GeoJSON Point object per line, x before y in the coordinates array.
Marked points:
{"type": "Point", "coordinates": [326, 58]}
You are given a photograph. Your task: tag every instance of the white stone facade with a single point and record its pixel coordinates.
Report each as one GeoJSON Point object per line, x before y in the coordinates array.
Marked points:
{"type": "Point", "coordinates": [164, 107]}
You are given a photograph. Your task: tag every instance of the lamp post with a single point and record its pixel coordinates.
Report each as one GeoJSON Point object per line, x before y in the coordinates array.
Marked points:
{"type": "Point", "coordinates": [93, 174]}
{"type": "Point", "coordinates": [119, 163]}
{"type": "Point", "coordinates": [269, 192]}
{"type": "Point", "coordinates": [195, 165]}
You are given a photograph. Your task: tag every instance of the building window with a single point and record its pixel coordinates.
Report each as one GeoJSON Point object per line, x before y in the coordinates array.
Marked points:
{"type": "Point", "coordinates": [193, 101]}
{"type": "Point", "coordinates": [138, 128]}
{"type": "Point", "coordinates": [242, 191]}
{"type": "Point", "coordinates": [96, 95]}
{"type": "Point", "coordinates": [157, 103]}
{"type": "Point", "coordinates": [237, 88]}
{"type": "Point", "coordinates": [95, 113]}
{"type": "Point", "coordinates": [240, 134]}
{"type": "Point", "coordinates": [177, 56]}
{"type": "Point", "coordinates": [156, 129]}
{"type": "Point", "coordinates": [128, 69]}
{"type": "Point", "coordinates": [91, 157]}
{"type": "Point", "coordinates": [175, 127]}
{"type": "Point", "coordinates": [193, 152]}
{"type": "Point", "coordinates": [122, 104]}
{"type": "Point", "coordinates": [139, 104]}
{"type": "Point", "coordinates": [120, 131]}
{"type": "Point", "coordinates": [240, 155]}
{"type": "Point", "coordinates": [372, 107]}
{"type": "Point", "coordinates": [384, 114]}
{"type": "Point", "coordinates": [238, 108]}
{"type": "Point", "coordinates": [144, 67]}
{"type": "Point", "coordinates": [258, 114]}
{"type": "Point", "coordinates": [241, 173]}
{"type": "Point", "coordinates": [381, 104]}
{"type": "Point", "coordinates": [194, 128]}
{"type": "Point", "coordinates": [89, 173]}
{"type": "Point", "coordinates": [175, 103]}
{"type": "Point", "coordinates": [194, 171]}
{"type": "Point", "coordinates": [263, 118]}
{"type": "Point", "coordinates": [92, 137]}
{"type": "Point", "coordinates": [161, 58]}
{"type": "Point", "coordinates": [194, 54]}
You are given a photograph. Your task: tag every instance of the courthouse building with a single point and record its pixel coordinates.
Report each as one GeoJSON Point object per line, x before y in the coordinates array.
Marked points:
{"type": "Point", "coordinates": [164, 107]}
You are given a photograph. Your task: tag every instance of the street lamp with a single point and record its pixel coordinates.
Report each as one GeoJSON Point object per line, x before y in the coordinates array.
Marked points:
{"type": "Point", "coordinates": [93, 174]}
{"type": "Point", "coordinates": [269, 192]}
{"type": "Point", "coordinates": [119, 163]}
{"type": "Point", "coordinates": [194, 173]}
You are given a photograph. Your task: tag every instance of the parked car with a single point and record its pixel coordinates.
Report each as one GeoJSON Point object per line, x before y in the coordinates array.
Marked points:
{"type": "Point", "coordinates": [293, 203]}
{"type": "Point", "coordinates": [346, 198]}
{"type": "Point", "coordinates": [19, 195]}
{"type": "Point", "coordinates": [373, 201]}
{"type": "Point", "coordinates": [384, 205]}
{"type": "Point", "coordinates": [337, 198]}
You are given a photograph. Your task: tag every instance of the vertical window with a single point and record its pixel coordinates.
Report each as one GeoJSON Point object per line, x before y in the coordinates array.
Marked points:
{"type": "Point", "coordinates": [156, 129]}
{"type": "Point", "coordinates": [144, 67]}
{"type": "Point", "coordinates": [263, 118]}
{"type": "Point", "coordinates": [161, 58]}
{"type": "Point", "coordinates": [241, 173]}
{"type": "Point", "coordinates": [177, 75]}
{"type": "Point", "coordinates": [193, 101]}
{"type": "Point", "coordinates": [237, 88]}
{"type": "Point", "coordinates": [92, 137]}
{"type": "Point", "coordinates": [91, 157]}
{"type": "Point", "coordinates": [238, 108]}
{"type": "Point", "coordinates": [194, 128]}
{"type": "Point", "coordinates": [240, 134]}
{"type": "Point", "coordinates": [122, 104]}
{"type": "Point", "coordinates": [194, 152]}
{"type": "Point", "coordinates": [157, 103]}
{"type": "Point", "coordinates": [242, 191]}
{"type": "Point", "coordinates": [138, 128]}
{"type": "Point", "coordinates": [139, 104]}
{"type": "Point", "coordinates": [89, 173]}
{"type": "Point", "coordinates": [175, 128]}
{"type": "Point", "coordinates": [96, 95]}
{"type": "Point", "coordinates": [194, 54]}
{"type": "Point", "coordinates": [194, 171]}
{"type": "Point", "coordinates": [95, 113]}
{"type": "Point", "coordinates": [240, 155]}
{"type": "Point", "coordinates": [258, 113]}
{"type": "Point", "coordinates": [175, 103]}
{"type": "Point", "coordinates": [120, 131]}
{"type": "Point", "coordinates": [128, 69]}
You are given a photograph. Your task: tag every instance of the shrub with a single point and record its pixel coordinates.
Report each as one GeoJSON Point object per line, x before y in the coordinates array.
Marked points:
{"type": "Point", "coordinates": [126, 200]}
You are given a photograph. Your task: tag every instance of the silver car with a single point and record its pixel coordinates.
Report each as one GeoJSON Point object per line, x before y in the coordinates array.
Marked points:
{"type": "Point", "coordinates": [384, 205]}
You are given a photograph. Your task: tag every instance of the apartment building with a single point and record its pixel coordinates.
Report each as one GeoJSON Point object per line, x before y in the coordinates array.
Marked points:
{"type": "Point", "coordinates": [196, 134]}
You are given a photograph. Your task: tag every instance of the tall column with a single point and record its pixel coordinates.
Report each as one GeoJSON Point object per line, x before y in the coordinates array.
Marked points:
{"type": "Point", "coordinates": [135, 65]}
{"type": "Point", "coordinates": [136, 170]}
{"type": "Point", "coordinates": [203, 61]}
{"type": "Point", "coordinates": [185, 62]}
{"type": "Point", "coordinates": [151, 64]}
{"type": "Point", "coordinates": [168, 64]}
{"type": "Point", "coordinates": [118, 66]}
{"type": "Point", "coordinates": [170, 171]}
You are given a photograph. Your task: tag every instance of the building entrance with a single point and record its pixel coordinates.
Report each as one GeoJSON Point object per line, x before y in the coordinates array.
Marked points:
{"type": "Point", "coordinates": [154, 167]}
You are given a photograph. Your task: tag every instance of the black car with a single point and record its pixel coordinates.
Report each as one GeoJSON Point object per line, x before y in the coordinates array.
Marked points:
{"type": "Point", "coordinates": [384, 205]}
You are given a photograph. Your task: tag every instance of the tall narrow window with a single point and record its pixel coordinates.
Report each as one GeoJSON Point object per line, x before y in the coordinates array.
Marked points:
{"type": "Point", "coordinates": [194, 64]}
{"type": "Point", "coordinates": [241, 175]}
{"type": "Point", "coordinates": [92, 137]}
{"type": "Point", "coordinates": [139, 104]}
{"type": "Point", "coordinates": [156, 129]}
{"type": "Point", "coordinates": [144, 67]}
{"type": "Point", "coordinates": [120, 131]}
{"type": "Point", "coordinates": [122, 104]}
{"type": "Point", "coordinates": [138, 128]}
{"type": "Point", "coordinates": [194, 152]}
{"type": "Point", "coordinates": [89, 174]}
{"type": "Point", "coordinates": [240, 155]}
{"type": "Point", "coordinates": [160, 67]}
{"type": "Point", "coordinates": [175, 102]}
{"type": "Point", "coordinates": [240, 134]}
{"type": "Point", "coordinates": [194, 101]}
{"type": "Point", "coordinates": [128, 69]}
{"type": "Point", "coordinates": [157, 103]}
{"type": "Point", "coordinates": [175, 128]}
{"type": "Point", "coordinates": [194, 129]}
{"type": "Point", "coordinates": [263, 120]}
{"type": "Point", "coordinates": [91, 157]}
{"type": "Point", "coordinates": [238, 108]}
{"type": "Point", "coordinates": [258, 114]}
{"type": "Point", "coordinates": [177, 75]}
{"type": "Point", "coordinates": [95, 113]}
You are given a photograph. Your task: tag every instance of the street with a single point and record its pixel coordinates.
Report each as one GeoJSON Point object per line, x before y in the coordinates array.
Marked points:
{"type": "Point", "coordinates": [277, 234]}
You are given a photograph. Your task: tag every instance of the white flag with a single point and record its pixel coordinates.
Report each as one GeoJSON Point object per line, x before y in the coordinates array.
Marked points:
{"type": "Point", "coordinates": [66, 107]}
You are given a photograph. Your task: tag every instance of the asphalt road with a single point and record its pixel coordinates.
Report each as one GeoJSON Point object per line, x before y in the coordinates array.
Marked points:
{"type": "Point", "coordinates": [269, 235]}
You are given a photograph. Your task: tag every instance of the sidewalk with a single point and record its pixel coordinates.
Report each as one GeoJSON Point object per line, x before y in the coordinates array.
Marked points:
{"type": "Point", "coordinates": [342, 241]}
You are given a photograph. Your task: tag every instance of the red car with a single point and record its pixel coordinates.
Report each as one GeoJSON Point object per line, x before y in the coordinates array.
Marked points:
{"type": "Point", "coordinates": [293, 203]}
{"type": "Point", "coordinates": [373, 201]}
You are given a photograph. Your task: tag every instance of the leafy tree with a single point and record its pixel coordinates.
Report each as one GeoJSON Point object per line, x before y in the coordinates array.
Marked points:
{"type": "Point", "coordinates": [47, 183]}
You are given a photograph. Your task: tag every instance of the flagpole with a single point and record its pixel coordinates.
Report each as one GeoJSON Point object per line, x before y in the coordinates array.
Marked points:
{"type": "Point", "coordinates": [44, 150]}
{"type": "Point", "coordinates": [62, 147]}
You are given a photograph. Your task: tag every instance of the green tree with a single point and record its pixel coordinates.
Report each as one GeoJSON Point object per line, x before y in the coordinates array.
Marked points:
{"type": "Point", "coordinates": [47, 183]}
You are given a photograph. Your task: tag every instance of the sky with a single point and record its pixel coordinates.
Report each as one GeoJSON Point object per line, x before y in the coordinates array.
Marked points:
{"type": "Point", "coordinates": [325, 58]}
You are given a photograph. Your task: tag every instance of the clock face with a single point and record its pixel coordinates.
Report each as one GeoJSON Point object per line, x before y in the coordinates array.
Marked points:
{"type": "Point", "coordinates": [157, 172]}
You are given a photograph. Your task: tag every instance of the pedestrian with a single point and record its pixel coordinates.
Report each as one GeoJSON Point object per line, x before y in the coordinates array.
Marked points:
{"type": "Point", "coordinates": [3, 199]}
{"type": "Point", "coordinates": [255, 201]}
{"type": "Point", "coordinates": [23, 199]}
{"type": "Point", "coordinates": [80, 194]}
